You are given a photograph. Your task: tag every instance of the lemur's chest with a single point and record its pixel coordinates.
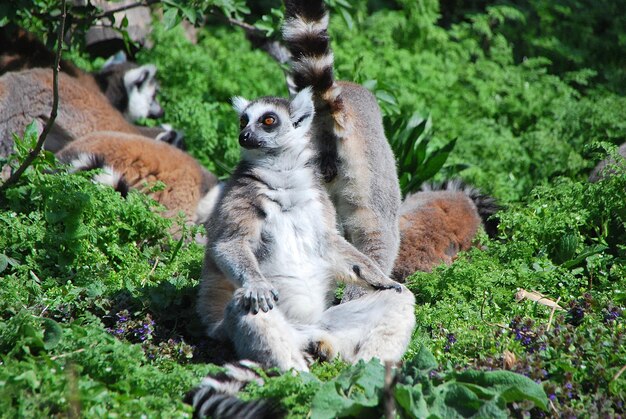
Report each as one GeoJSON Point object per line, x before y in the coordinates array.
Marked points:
{"type": "Point", "coordinates": [294, 225]}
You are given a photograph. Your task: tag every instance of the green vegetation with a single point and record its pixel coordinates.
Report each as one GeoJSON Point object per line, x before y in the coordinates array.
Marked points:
{"type": "Point", "coordinates": [96, 300]}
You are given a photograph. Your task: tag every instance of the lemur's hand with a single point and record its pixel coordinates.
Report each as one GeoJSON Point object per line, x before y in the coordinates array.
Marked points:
{"type": "Point", "coordinates": [376, 279]}
{"type": "Point", "coordinates": [259, 295]}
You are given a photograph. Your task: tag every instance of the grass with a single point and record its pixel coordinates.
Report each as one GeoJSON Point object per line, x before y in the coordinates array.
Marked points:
{"type": "Point", "coordinates": [96, 300]}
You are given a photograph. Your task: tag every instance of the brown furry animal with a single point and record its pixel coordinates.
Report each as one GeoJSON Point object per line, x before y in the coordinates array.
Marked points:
{"type": "Point", "coordinates": [27, 95]}
{"type": "Point", "coordinates": [130, 88]}
{"type": "Point", "coordinates": [435, 225]}
{"type": "Point", "coordinates": [140, 162]}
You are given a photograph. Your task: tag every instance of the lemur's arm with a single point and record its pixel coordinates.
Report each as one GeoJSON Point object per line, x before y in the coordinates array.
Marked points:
{"type": "Point", "coordinates": [234, 255]}
{"type": "Point", "coordinates": [353, 267]}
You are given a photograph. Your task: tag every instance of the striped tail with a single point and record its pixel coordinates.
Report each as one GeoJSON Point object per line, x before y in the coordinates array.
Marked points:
{"type": "Point", "coordinates": [306, 35]}
{"type": "Point", "coordinates": [216, 396]}
{"type": "Point", "coordinates": [486, 206]}
{"type": "Point", "coordinates": [109, 176]}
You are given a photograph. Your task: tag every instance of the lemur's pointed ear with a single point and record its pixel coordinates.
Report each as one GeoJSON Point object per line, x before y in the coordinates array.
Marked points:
{"type": "Point", "coordinates": [301, 108]}
{"type": "Point", "coordinates": [240, 104]}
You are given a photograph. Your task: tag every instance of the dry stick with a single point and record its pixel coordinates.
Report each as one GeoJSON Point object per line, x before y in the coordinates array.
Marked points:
{"type": "Point", "coordinates": [388, 398]}
{"type": "Point", "coordinates": [258, 38]}
{"type": "Point", "coordinates": [616, 376]}
{"type": "Point", "coordinates": [32, 155]}
{"type": "Point", "coordinates": [552, 314]}
{"type": "Point", "coordinates": [109, 13]}
{"type": "Point", "coordinates": [156, 262]}
{"type": "Point", "coordinates": [67, 354]}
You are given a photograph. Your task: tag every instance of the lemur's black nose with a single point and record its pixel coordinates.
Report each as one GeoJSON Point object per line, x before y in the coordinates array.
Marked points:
{"type": "Point", "coordinates": [247, 140]}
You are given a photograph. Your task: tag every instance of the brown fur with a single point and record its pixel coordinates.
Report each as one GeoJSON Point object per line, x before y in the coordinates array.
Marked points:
{"type": "Point", "coordinates": [434, 227]}
{"type": "Point", "coordinates": [16, 41]}
{"type": "Point", "coordinates": [143, 161]}
{"type": "Point", "coordinates": [27, 95]}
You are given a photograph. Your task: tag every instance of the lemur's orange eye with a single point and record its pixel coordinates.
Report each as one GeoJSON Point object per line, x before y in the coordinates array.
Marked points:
{"type": "Point", "coordinates": [269, 120]}
{"type": "Point", "coordinates": [243, 122]}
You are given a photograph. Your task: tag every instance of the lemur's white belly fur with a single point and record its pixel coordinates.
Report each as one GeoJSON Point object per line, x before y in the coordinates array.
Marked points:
{"type": "Point", "coordinates": [296, 265]}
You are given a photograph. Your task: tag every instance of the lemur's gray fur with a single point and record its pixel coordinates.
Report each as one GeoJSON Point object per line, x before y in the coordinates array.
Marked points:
{"type": "Point", "coordinates": [274, 254]}
{"type": "Point", "coordinates": [353, 153]}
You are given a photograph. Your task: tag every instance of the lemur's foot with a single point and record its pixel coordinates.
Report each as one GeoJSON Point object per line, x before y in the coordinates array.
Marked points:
{"type": "Point", "coordinates": [321, 350]}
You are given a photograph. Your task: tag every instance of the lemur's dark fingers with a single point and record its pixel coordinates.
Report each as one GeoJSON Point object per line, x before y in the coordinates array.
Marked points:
{"type": "Point", "coordinates": [254, 304]}
{"type": "Point", "coordinates": [263, 304]}
{"type": "Point", "coordinates": [246, 300]}
{"type": "Point", "coordinates": [275, 294]}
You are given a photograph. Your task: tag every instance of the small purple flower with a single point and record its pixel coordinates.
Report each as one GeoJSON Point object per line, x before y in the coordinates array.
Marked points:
{"type": "Point", "coordinates": [552, 397]}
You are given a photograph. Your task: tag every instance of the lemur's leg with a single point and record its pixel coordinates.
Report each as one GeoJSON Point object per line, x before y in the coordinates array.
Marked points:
{"type": "Point", "coordinates": [378, 325]}
{"type": "Point", "coordinates": [267, 338]}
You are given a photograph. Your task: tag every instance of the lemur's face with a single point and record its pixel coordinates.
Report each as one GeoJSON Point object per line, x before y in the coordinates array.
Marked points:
{"type": "Point", "coordinates": [271, 123]}
{"type": "Point", "coordinates": [264, 124]}
{"type": "Point", "coordinates": [141, 88]}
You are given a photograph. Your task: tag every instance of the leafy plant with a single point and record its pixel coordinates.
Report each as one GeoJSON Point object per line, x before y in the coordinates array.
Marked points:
{"type": "Point", "coordinates": [421, 392]}
{"type": "Point", "coordinates": [417, 162]}
{"type": "Point", "coordinates": [96, 302]}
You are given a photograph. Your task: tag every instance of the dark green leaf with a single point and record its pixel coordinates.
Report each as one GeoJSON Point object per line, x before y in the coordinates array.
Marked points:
{"type": "Point", "coordinates": [52, 333]}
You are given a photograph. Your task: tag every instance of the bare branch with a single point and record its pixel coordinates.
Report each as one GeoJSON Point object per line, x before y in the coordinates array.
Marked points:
{"type": "Point", "coordinates": [258, 38]}
{"type": "Point", "coordinates": [251, 30]}
{"type": "Point", "coordinates": [110, 13]}
{"type": "Point", "coordinates": [389, 402]}
{"type": "Point", "coordinates": [34, 153]}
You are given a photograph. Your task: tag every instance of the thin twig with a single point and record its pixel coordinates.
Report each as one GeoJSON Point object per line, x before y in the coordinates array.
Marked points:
{"type": "Point", "coordinates": [250, 29]}
{"type": "Point", "coordinates": [553, 407]}
{"type": "Point", "coordinates": [111, 12]}
{"type": "Point", "coordinates": [156, 262]}
{"type": "Point", "coordinates": [258, 38]}
{"type": "Point", "coordinates": [620, 372]}
{"type": "Point", "coordinates": [389, 400]}
{"type": "Point", "coordinates": [34, 153]}
{"type": "Point", "coordinates": [552, 314]}
{"type": "Point", "coordinates": [67, 354]}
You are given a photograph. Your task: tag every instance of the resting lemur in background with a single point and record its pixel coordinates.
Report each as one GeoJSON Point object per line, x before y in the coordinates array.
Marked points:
{"type": "Point", "coordinates": [274, 255]}
{"type": "Point", "coordinates": [354, 156]}
{"type": "Point", "coordinates": [130, 88]}
{"type": "Point", "coordinates": [137, 162]}
{"type": "Point", "coordinates": [26, 96]}
{"type": "Point", "coordinates": [439, 222]}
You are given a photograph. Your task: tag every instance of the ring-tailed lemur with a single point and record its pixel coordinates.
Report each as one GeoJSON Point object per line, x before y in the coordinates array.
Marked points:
{"type": "Point", "coordinates": [27, 95]}
{"type": "Point", "coordinates": [215, 397]}
{"type": "Point", "coordinates": [274, 254]}
{"type": "Point", "coordinates": [439, 222]}
{"type": "Point", "coordinates": [354, 156]}
{"type": "Point", "coordinates": [138, 162]}
{"type": "Point", "coordinates": [130, 88]}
